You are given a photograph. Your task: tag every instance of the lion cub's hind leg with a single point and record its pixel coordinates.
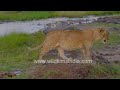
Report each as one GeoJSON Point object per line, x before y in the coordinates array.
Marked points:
{"type": "Point", "coordinates": [44, 50]}
{"type": "Point", "coordinates": [61, 53]}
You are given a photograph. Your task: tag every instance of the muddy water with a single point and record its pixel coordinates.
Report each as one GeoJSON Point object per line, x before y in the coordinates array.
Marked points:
{"type": "Point", "coordinates": [43, 24]}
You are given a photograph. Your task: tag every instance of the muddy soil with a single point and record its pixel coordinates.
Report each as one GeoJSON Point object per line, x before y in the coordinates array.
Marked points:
{"type": "Point", "coordinates": [110, 53]}
{"type": "Point", "coordinates": [59, 71]}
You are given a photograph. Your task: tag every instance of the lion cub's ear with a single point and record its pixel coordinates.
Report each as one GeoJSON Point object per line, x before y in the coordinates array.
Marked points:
{"type": "Point", "coordinates": [102, 30]}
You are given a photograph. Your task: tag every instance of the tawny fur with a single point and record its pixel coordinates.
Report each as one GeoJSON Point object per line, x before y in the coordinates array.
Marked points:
{"type": "Point", "coordinates": [71, 40]}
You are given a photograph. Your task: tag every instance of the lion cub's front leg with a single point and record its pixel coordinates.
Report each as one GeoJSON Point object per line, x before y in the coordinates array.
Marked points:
{"type": "Point", "coordinates": [61, 53]}
{"type": "Point", "coordinates": [86, 53]}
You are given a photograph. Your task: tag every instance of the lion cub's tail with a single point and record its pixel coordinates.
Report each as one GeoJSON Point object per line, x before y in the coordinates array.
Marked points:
{"type": "Point", "coordinates": [35, 48]}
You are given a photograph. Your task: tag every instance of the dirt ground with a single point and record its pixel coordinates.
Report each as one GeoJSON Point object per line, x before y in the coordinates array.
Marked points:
{"type": "Point", "coordinates": [59, 71]}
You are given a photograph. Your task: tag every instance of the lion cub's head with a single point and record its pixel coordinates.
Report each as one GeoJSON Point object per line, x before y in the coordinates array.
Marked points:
{"type": "Point", "coordinates": [104, 35]}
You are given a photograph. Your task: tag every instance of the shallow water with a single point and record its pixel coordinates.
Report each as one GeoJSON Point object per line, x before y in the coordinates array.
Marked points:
{"type": "Point", "coordinates": [36, 25]}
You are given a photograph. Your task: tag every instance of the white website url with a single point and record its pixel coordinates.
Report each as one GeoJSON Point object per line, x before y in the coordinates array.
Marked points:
{"type": "Point", "coordinates": [63, 61]}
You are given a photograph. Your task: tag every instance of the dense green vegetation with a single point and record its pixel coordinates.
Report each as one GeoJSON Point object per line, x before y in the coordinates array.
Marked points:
{"type": "Point", "coordinates": [14, 52]}
{"type": "Point", "coordinates": [30, 15]}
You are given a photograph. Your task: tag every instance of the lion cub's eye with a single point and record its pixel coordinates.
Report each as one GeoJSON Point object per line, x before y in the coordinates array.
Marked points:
{"type": "Point", "coordinates": [104, 40]}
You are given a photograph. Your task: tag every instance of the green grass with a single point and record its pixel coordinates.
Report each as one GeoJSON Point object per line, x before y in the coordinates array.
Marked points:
{"type": "Point", "coordinates": [114, 39]}
{"type": "Point", "coordinates": [14, 53]}
{"type": "Point", "coordinates": [24, 15]}
{"type": "Point", "coordinates": [111, 71]}
{"type": "Point", "coordinates": [34, 15]}
{"type": "Point", "coordinates": [84, 13]}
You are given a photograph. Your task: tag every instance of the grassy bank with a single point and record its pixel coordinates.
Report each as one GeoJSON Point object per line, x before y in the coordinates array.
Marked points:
{"type": "Point", "coordinates": [15, 55]}
{"type": "Point", "coordinates": [31, 15]}
{"type": "Point", "coordinates": [84, 13]}
{"type": "Point", "coordinates": [24, 15]}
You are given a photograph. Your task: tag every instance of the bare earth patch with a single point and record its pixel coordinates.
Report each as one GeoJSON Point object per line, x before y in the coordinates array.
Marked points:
{"type": "Point", "coordinates": [110, 53]}
{"type": "Point", "coordinates": [59, 71]}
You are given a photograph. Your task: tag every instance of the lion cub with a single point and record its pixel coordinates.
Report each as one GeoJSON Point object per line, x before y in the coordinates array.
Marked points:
{"type": "Point", "coordinates": [71, 40]}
